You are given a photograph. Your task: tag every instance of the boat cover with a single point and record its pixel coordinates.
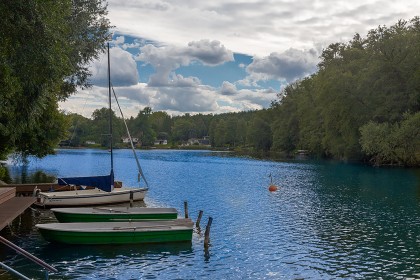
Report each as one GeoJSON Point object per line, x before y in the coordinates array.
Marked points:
{"type": "Point", "coordinates": [104, 183]}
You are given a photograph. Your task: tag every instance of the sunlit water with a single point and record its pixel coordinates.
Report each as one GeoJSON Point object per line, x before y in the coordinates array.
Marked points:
{"type": "Point", "coordinates": [327, 221]}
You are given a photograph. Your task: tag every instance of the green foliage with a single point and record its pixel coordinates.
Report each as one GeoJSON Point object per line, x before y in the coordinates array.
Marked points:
{"type": "Point", "coordinates": [259, 134]}
{"type": "Point", "coordinates": [286, 123]}
{"type": "Point", "coordinates": [80, 130]}
{"type": "Point", "coordinates": [4, 175]}
{"type": "Point", "coordinates": [376, 142]}
{"type": "Point", "coordinates": [141, 127]}
{"type": "Point", "coordinates": [100, 127]}
{"type": "Point", "coordinates": [45, 48]}
{"type": "Point", "coordinates": [182, 129]}
{"type": "Point", "coordinates": [397, 143]}
{"type": "Point", "coordinates": [161, 123]}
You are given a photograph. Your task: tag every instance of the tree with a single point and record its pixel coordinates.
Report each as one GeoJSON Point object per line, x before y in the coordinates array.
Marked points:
{"type": "Point", "coordinates": [80, 130]}
{"type": "Point", "coordinates": [100, 127]}
{"type": "Point", "coordinates": [45, 49]}
{"type": "Point", "coordinates": [161, 123]}
{"type": "Point", "coordinates": [182, 129]}
{"type": "Point", "coordinates": [141, 127]}
{"type": "Point", "coordinates": [220, 133]}
{"type": "Point", "coordinates": [241, 131]}
{"type": "Point", "coordinates": [397, 143]}
{"type": "Point", "coordinates": [260, 135]}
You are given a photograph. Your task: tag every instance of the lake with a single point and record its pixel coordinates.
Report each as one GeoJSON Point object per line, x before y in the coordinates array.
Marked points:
{"type": "Point", "coordinates": [328, 220]}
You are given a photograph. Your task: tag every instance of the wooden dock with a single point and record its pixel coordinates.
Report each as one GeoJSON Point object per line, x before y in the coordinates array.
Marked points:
{"type": "Point", "coordinates": [11, 206]}
{"type": "Point", "coordinates": [28, 189]}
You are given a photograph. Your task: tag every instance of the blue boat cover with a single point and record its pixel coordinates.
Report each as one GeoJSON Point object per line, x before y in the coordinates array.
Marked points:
{"type": "Point", "coordinates": [104, 183]}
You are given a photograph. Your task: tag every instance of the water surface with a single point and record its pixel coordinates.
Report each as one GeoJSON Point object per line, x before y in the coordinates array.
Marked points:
{"type": "Point", "coordinates": [328, 220]}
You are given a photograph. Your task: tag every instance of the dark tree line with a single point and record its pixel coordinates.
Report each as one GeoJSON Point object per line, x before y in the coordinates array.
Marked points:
{"type": "Point", "coordinates": [233, 130]}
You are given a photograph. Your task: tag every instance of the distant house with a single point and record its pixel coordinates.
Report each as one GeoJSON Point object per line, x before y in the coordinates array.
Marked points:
{"type": "Point", "coordinates": [161, 142]}
{"type": "Point", "coordinates": [126, 140]}
{"type": "Point", "coordinates": [90, 142]}
{"type": "Point", "coordinates": [205, 141]}
{"type": "Point", "coordinates": [64, 143]}
{"type": "Point", "coordinates": [192, 141]}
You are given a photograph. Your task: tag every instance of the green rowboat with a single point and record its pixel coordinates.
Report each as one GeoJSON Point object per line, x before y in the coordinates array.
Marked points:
{"type": "Point", "coordinates": [118, 232]}
{"type": "Point", "coordinates": [114, 214]}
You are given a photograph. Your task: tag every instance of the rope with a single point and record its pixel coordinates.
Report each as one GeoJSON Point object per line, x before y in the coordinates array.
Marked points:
{"type": "Point", "coordinates": [140, 173]}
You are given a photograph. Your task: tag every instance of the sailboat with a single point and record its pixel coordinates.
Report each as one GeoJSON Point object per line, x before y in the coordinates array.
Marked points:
{"type": "Point", "coordinates": [97, 190]}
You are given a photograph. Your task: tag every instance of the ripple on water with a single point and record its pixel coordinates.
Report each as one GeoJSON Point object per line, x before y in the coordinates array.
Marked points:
{"type": "Point", "coordinates": [326, 221]}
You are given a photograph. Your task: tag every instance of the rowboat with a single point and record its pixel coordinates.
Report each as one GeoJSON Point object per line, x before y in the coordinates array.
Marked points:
{"type": "Point", "coordinates": [108, 214]}
{"type": "Point", "coordinates": [162, 231]}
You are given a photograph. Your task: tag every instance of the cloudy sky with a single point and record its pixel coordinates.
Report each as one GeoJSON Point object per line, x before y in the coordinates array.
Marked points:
{"type": "Point", "coordinates": [222, 55]}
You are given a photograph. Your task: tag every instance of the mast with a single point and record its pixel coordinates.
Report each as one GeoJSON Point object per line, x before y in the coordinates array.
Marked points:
{"type": "Point", "coordinates": [110, 112]}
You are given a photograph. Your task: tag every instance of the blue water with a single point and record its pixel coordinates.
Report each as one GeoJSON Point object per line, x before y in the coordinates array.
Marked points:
{"type": "Point", "coordinates": [328, 220]}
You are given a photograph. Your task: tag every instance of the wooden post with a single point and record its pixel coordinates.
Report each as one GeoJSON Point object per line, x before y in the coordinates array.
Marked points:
{"type": "Point", "coordinates": [207, 233]}
{"type": "Point", "coordinates": [131, 198]}
{"type": "Point", "coordinates": [186, 209]}
{"type": "Point", "coordinates": [200, 214]}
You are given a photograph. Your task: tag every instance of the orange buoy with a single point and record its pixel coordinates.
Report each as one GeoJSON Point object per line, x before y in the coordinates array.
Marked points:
{"type": "Point", "coordinates": [272, 188]}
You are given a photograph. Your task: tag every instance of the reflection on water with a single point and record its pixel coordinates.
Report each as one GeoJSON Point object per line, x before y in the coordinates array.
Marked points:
{"type": "Point", "coordinates": [21, 175]}
{"type": "Point", "coordinates": [327, 221]}
{"type": "Point", "coordinates": [4, 175]}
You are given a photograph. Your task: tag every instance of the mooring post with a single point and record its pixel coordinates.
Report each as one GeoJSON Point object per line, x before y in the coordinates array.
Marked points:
{"type": "Point", "coordinates": [200, 214]}
{"type": "Point", "coordinates": [207, 233]}
{"type": "Point", "coordinates": [131, 198]}
{"type": "Point", "coordinates": [186, 209]}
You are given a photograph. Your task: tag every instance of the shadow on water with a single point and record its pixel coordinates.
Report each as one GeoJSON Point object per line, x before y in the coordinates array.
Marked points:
{"type": "Point", "coordinates": [66, 252]}
{"type": "Point", "coordinates": [77, 261]}
{"type": "Point", "coordinates": [416, 173]}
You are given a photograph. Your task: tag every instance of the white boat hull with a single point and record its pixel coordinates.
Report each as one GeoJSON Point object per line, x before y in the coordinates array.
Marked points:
{"type": "Point", "coordinates": [89, 197]}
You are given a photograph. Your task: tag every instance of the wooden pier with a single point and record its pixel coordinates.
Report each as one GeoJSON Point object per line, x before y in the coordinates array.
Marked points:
{"type": "Point", "coordinates": [28, 189]}
{"type": "Point", "coordinates": [16, 198]}
{"type": "Point", "coordinates": [11, 206]}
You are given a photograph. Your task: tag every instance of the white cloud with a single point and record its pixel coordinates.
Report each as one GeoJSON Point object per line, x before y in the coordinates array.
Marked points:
{"type": "Point", "coordinates": [199, 99]}
{"type": "Point", "coordinates": [123, 69]}
{"type": "Point", "coordinates": [166, 59]}
{"type": "Point", "coordinates": [288, 66]}
{"type": "Point", "coordinates": [209, 52]}
{"type": "Point", "coordinates": [165, 89]}
{"type": "Point", "coordinates": [255, 99]}
{"type": "Point", "coordinates": [228, 89]}
{"type": "Point", "coordinates": [257, 27]}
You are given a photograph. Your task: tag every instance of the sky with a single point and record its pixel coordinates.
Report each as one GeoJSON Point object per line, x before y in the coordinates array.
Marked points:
{"type": "Point", "coordinates": [221, 56]}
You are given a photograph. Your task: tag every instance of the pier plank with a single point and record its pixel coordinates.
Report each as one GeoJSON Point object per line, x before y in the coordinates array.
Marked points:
{"type": "Point", "coordinates": [12, 208]}
{"type": "Point", "coordinates": [6, 194]}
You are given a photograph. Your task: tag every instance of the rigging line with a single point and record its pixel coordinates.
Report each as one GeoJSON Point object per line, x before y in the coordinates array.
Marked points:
{"type": "Point", "coordinates": [131, 140]}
